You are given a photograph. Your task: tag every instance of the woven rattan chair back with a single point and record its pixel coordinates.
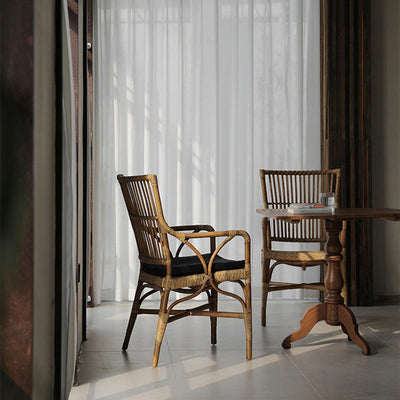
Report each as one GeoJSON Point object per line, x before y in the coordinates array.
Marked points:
{"type": "Point", "coordinates": [143, 202]}
{"type": "Point", "coordinates": [281, 188]}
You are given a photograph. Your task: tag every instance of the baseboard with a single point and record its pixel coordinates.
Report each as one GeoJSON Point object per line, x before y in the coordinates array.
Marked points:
{"type": "Point", "coordinates": [387, 300]}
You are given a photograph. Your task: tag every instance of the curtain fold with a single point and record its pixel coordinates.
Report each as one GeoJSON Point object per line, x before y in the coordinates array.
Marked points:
{"type": "Point", "coordinates": [203, 93]}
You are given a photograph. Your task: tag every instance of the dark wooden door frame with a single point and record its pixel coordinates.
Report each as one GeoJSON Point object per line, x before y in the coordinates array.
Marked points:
{"type": "Point", "coordinates": [80, 40]}
{"type": "Point", "coordinates": [86, 127]}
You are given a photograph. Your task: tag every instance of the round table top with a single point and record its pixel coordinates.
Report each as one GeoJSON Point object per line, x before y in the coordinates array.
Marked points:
{"type": "Point", "coordinates": [392, 214]}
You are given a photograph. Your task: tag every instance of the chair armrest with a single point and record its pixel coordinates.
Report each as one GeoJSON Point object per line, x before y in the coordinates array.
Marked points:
{"type": "Point", "coordinates": [215, 234]}
{"type": "Point", "coordinates": [194, 228]}
{"type": "Point", "coordinates": [184, 237]}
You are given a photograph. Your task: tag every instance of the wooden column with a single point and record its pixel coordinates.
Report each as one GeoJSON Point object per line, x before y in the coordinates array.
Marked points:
{"type": "Point", "coordinates": [345, 127]}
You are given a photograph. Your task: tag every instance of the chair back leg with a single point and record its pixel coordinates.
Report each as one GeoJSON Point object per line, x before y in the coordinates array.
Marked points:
{"type": "Point", "coordinates": [134, 313]}
{"type": "Point", "coordinates": [265, 262]}
{"type": "Point", "coordinates": [213, 307]}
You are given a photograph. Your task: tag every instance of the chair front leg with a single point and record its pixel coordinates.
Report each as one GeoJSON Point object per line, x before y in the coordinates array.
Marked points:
{"type": "Point", "coordinates": [161, 325]}
{"type": "Point", "coordinates": [247, 313]}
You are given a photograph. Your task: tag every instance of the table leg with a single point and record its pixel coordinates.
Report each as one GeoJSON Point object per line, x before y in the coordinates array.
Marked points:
{"type": "Point", "coordinates": [318, 313]}
{"type": "Point", "coordinates": [313, 315]}
{"type": "Point", "coordinates": [333, 311]}
{"type": "Point", "coordinates": [350, 326]}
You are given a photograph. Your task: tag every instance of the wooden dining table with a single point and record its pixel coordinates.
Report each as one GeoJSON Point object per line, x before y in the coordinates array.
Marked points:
{"type": "Point", "coordinates": [333, 310]}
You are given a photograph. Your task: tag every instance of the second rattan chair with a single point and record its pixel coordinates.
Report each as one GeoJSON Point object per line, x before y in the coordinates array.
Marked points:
{"type": "Point", "coordinates": [279, 190]}
{"type": "Point", "coordinates": [162, 272]}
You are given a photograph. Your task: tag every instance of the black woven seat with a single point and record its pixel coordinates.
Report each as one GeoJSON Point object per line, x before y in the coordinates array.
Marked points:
{"type": "Point", "coordinates": [191, 265]}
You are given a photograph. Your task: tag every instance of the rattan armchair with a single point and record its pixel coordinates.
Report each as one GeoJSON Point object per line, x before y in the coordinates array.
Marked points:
{"type": "Point", "coordinates": [279, 190]}
{"type": "Point", "coordinates": [163, 272]}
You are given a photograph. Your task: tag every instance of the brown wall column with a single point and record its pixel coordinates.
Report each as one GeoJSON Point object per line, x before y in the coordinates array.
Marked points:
{"type": "Point", "coordinates": [16, 263]}
{"type": "Point", "coordinates": [345, 127]}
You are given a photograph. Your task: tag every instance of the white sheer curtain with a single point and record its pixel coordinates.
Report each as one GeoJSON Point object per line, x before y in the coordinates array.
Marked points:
{"type": "Point", "coordinates": [203, 93]}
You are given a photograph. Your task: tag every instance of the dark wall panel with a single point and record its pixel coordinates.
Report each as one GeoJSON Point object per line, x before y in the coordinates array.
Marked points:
{"type": "Point", "coordinates": [345, 127]}
{"type": "Point", "coordinates": [16, 280]}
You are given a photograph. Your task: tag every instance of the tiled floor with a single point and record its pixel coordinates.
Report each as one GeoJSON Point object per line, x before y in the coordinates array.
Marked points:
{"type": "Point", "coordinates": [324, 365]}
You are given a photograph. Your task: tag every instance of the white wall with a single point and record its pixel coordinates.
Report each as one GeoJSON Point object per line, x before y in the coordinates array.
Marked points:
{"type": "Point", "coordinates": [385, 128]}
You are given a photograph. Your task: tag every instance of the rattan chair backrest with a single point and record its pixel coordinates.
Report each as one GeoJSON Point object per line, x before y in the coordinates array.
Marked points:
{"type": "Point", "coordinates": [281, 188]}
{"type": "Point", "coordinates": [143, 202]}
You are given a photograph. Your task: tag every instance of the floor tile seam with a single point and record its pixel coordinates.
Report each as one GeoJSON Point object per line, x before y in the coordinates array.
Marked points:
{"type": "Point", "coordinates": [314, 388]}
{"type": "Point", "coordinates": [378, 337]}
{"type": "Point", "coordinates": [168, 349]}
{"type": "Point", "coordinates": [91, 352]}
